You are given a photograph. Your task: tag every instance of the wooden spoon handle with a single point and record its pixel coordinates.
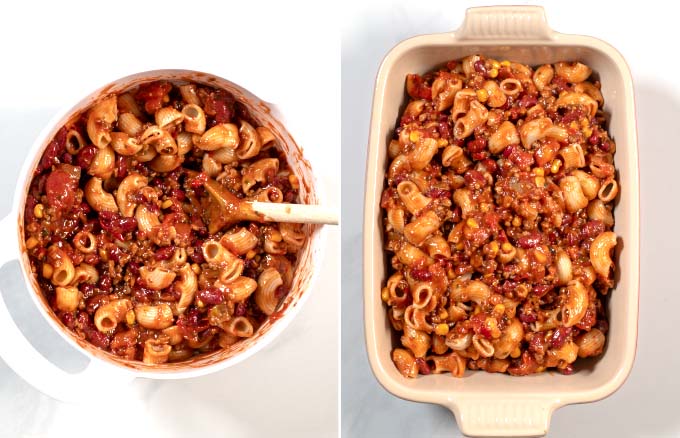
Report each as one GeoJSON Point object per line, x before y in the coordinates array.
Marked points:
{"type": "Point", "coordinates": [296, 213]}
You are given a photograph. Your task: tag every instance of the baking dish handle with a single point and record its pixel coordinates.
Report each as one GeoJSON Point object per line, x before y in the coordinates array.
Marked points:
{"type": "Point", "coordinates": [502, 22]}
{"type": "Point", "coordinates": [509, 417]}
{"type": "Point", "coordinates": [97, 380]}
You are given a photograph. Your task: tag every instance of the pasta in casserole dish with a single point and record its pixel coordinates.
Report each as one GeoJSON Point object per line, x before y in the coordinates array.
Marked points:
{"type": "Point", "coordinates": [498, 212]}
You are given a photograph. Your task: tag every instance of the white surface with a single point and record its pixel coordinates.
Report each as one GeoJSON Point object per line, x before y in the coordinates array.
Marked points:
{"type": "Point", "coordinates": [290, 388]}
{"type": "Point", "coordinates": [646, 404]}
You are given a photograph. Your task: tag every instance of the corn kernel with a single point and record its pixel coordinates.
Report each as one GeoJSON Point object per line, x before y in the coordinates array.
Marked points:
{"type": "Point", "coordinates": [499, 309]}
{"type": "Point", "coordinates": [505, 63]}
{"type": "Point", "coordinates": [200, 304]}
{"type": "Point", "coordinates": [540, 181]}
{"type": "Point", "coordinates": [166, 204]}
{"type": "Point", "coordinates": [495, 64]}
{"type": "Point", "coordinates": [414, 136]}
{"type": "Point", "coordinates": [516, 221]}
{"type": "Point", "coordinates": [250, 254]}
{"type": "Point", "coordinates": [506, 247]}
{"type": "Point", "coordinates": [130, 317]}
{"type": "Point", "coordinates": [385, 294]}
{"type": "Point", "coordinates": [477, 310]}
{"type": "Point", "coordinates": [494, 246]}
{"type": "Point", "coordinates": [538, 171]}
{"type": "Point", "coordinates": [31, 243]}
{"type": "Point", "coordinates": [555, 166]}
{"type": "Point", "coordinates": [472, 223]}
{"type": "Point", "coordinates": [482, 95]}
{"type": "Point", "coordinates": [573, 125]}
{"type": "Point", "coordinates": [47, 271]}
{"type": "Point", "coordinates": [293, 180]}
{"type": "Point", "coordinates": [540, 257]}
{"type": "Point", "coordinates": [516, 353]}
{"type": "Point", "coordinates": [460, 246]}
{"type": "Point", "coordinates": [492, 325]}
{"type": "Point", "coordinates": [443, 314]}
{"type": "Point", "coordinates": [587, 131]}
{"type": "Point", "coordinates": [493, 73]}
{"type": "Point", "coordinates": [442, 142]}
{"type": "Point", "coordinates": [442, 329]}
{"type": "Point", "coordinates": [38, 211]}
{"type": "Point", "coordinates": [196, 268]}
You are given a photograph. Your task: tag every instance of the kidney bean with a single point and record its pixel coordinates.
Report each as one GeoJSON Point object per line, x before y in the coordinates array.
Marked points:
{"type": "Point", "coordinates": [572, 115]}
{"type": "Point", "coordinates": [479, 156]}
{"type": "Point", "coordinates": [559, 337]}
{"type": "Point", "coordinates": [505, 73]}
{"type": "Point", "coordinates": [560, 83]}
{"type": "Point", "coordinates": [480, 68]}
{"type": "Point", "coordinates": [240, 309]}
{"type": "Point", "coordinates": [444, 130]}
{"type": "Point", "coordinates": [121, 169]}
{"type": "Point", "coordinates": [68, 319]}
{"type": "Point", "coordinates": [593, 228]}
{"type": "Point", "coordinates": [588, 320]}
{"type": "Point", "coordinates": [210, 296]}
{"type": "Point", "coordinates": [421, 274]}
{"type": "Point", "coordinates": [477, 145]}
{"type": "Point", "coordinates": [509, 150]}
{"type": "Point", "coordinates": [116, 224]}
{"type": "Point", "coordinates": [437, 193]}
{"type": "Point", "coordinates": [527, 317]}
{"type": "Point", "coordinates": [474, 179]}
{"type": "Point", "coordinates": [529, 240]}
{"type": "Point", "coordinates": [87, 289]}
{"type": "Point", "coordinates": [164, 253]}
{"type": "Point", "coordinates": [540, 290]}
{"type": "Point", "coordinates": [85, 156]}
{"type": "Point", "coordinates": [143, 295]}
{"type": "Point", "coordinates": [522, 158]}
{"type": "Point", "coordinates": [105, 283]}
{"type": "Point", "coordinates": [423, 367]}
{"type": "Point", "coordinates": [490, 165]}
{"type": "Point", "coordinates": [537, 344]}
{"type": "Point", "coordinates": [573, 236]}
{"type": "Point", "coordinates": [527, 101]}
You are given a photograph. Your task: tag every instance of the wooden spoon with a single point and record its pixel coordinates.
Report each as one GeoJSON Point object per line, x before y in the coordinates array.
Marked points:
{"type": "Point", "coordinates": [231, 209]}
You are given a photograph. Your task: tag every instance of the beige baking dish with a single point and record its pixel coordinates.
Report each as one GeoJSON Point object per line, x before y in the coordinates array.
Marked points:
{"type": "Point", "coordinates": [493, 404]}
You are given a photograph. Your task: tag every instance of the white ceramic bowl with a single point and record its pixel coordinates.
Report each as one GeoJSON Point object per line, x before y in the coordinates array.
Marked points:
{"type": "Point", "coordinates": [107, 372]}
{"type": "Point", "coordinates": [497, 404]}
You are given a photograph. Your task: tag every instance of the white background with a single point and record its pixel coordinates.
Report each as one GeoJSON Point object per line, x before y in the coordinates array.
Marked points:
{"type": "Point", "coordinates": [646, 35]}
{"type": "Point", "coordinates": [55, 53]}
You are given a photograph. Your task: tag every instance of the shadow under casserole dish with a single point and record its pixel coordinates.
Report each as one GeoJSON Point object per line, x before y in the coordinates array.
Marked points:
{"type": "Point", "coordinates": [498, 211]}
{"type": "Point", "coordinates": [137, 230]}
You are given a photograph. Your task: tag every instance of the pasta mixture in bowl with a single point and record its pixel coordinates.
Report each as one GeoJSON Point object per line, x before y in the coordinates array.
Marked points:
{"type": "Point", "coordinates": [498, 214]}
{"type": "Point", "coordinates": [137, 231]}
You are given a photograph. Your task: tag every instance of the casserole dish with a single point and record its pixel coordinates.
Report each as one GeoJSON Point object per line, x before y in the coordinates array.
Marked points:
{"type": "Point", "coordinates": [494, 404]}
{"type": "Point", "coordinates": [107, 372]}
